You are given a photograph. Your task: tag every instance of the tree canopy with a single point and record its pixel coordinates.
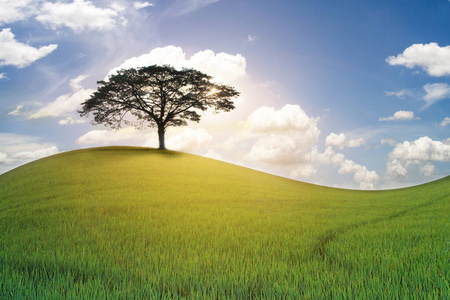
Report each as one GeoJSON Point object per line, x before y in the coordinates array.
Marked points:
{"type": "Point", "coordinates": [156, 96]}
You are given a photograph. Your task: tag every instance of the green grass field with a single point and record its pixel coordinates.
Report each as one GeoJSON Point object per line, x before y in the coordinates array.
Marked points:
{"type": "Point", "coordinates": [137, 223]}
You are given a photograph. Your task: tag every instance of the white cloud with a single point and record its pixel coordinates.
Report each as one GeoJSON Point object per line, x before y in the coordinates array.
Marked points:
{"type": "Point", "coordinates": [212, 154]}
{"type": "Point", "coordinates": [36, 153]}
{"type": "Point", "coordinates": [222, 66]}
{"type": "Point", "coordinates": [435, 60]}
{"type": "Point", "coordinates": [67, 103]}
{"type": "Point", "coordinates": [366, 179]}
{"type": "Point", "coordinates": [435, 92]}
{"type": "Point", "coordinates": [250, 38]}
{"type": "Point", "coordinates": [15, 159]}
{"type": "Point", "coordinates": [285, 141]}
{"type": "Point", "coordinates": [306, 170]}
{"type": "Point", "coordinates": [334, 139]}
{"type": "Point", "coordinates": [427, 170]}
{"type": "Point", "coordinates": [278, 149]}
{"type": "Point", "coordinates": [17, 111]}
{"type": "Point", "coordinates": [15, 10]}
{"type": "Point", "coordinates": [118, 7]}
{"type": "Point", "coordinates": [179, 139]}
{"type": "Point", "coordinates": [399, 94]}
{"type": "Point", "coordinates": [445, 122]}
{"type": "Point", "coordinates": [400, 115]}
{"type": "Point", "coordinates": [79, 15]}
{"type": "Point", "coordinates": [5, 159]}
{"type": "Point", "coordinates": [327, 157]}
{"type": "Point", "coordinates": [395, 169]}
{"type": "Point", "coordinates": [63, 104]}
{"type": "Point", "coordinates": [288, 118]}
{"type": "Point", "coordinates": [288, 134]}
{"type": "Point", "coordinates": [17, 54]}
{"type": "Point", "coordinates": [421, 150]}
{"type": "Point", "coordinates": [390, 142]}
{"type": "Point", "coordinates": [418, 152]}
{"type": "Point", "coordinates": [71, 121]}
{"type": "Point", "coordinates": [124, 136]}
{"type": "Point", "coordinates": [3, 76]}
{"type": "Point", "coordinates": [356, 143]}
{"type": "Point", "coordinates": [188, 139]}
{"type": "Point", "coordinates": [140, 5]}
{"type": "Point", "coordinates": [340, 140]}
{"type": "Point", "coordinates": [19, 149]}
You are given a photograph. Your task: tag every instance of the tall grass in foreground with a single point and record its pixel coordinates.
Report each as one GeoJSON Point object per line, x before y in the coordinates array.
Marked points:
{"type": "Point", "coordinates": [137, 223]}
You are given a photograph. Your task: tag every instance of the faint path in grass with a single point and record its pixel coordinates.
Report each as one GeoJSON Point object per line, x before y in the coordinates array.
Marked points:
{"type": "Point", "coordinates": [331, 235]}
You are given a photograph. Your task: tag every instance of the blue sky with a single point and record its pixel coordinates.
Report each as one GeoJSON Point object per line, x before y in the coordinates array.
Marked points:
{"type": "Point", "coordinates": [352, 94]}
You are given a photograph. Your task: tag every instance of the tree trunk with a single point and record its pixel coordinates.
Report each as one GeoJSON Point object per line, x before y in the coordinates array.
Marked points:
{"type": "Point", "coordinates": [161, 133]}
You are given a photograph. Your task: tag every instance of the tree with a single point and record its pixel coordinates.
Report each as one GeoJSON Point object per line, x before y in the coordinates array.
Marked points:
{"type": "Point", "coordinates": [158, 96]}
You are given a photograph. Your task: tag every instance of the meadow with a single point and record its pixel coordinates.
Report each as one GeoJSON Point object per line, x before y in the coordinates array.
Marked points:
{"type": "Point", "coordinates": [138, 223]}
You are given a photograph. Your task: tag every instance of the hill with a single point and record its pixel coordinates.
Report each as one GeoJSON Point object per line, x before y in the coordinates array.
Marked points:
{"type": "Point", "coordinates": [132, 223]}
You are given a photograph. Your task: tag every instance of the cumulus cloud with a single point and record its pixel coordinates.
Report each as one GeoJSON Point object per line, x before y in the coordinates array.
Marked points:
{"type": "Point", "coordinates": [400, 115]}
{"type": "Point", "coordinates": [419, 152]}
{"type": "Point", "coordinates": [11, 11]}
{"type": "Point", "coordinates": [36, 153]}
{"type": "Point", "coordinates": [21, 157]}
{"type": "Point", "coordinates": [3, 76]}
{"type": "Point", "coordinates": [288, 118]}
{"type": "Point", "coordinates": [14, 53]}
{"type": "Point", "coordinates": [124, 136]}
{"type": "Point", "coordinates": [67, 103]}
{"type": "Point", "coordinates": [5, 159]}
{"type": "Point", "coordinates": [188, 139]}
{"type": "Point", "coordinates": [288, 133]}
{"type": "Point", "coordinates": [79, 15]}
{"type": "Point", "coordinates": [366, 179]}
{"type": "Point", "coordinates": [326, 157]}
{"type": "Point", "coordinates": [341, 141]}
{"type": "Point", "coordinates": [445, 122]}
{"type": "Point", "coordinates": [395, 169]}
{"type": "Point", "coordinates": [212, 154]}
{"type": "Point", "coordinates": [222, 66]}
{"type": "Point", "coordinates": [334, 139]}
{"type": "Point", "coordinates": [432, 58]}
{"type": "Point", "coordinates": [435, 92]}
{"type": "Point", "coordinates": [356, 143]}
{"type": "Point", "coordinates": [278, 149]}
{"type": "Point", "coordinates": [19, 149]}
{"type": "Point", "coordinates": [141, 5]}
{"type": "Point", "coordinates": [427, 170]}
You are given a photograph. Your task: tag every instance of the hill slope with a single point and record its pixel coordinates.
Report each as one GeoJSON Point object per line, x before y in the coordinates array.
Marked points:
{"type": "Point", "coordinates": [141, 223]}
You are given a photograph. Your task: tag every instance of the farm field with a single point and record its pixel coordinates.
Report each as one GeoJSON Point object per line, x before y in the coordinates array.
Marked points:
{"type": "Point", "coordinates": [138, 223]}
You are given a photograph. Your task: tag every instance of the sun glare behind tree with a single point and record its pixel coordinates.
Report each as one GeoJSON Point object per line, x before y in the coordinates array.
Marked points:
{"type": "Point", "coordinates": [156, 96]}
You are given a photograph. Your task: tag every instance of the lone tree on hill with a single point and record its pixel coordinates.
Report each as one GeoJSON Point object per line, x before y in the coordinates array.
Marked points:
{"type": "Point", "coordinates": [158, 96]}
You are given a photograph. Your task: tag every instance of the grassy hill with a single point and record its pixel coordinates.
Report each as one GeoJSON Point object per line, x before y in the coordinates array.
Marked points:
{"type": "Point", "coordinates": [134, 223]}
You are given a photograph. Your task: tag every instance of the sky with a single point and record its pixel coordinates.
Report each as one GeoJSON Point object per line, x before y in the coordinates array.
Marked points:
{"type": "Point", "coordinates": [348, 94]}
